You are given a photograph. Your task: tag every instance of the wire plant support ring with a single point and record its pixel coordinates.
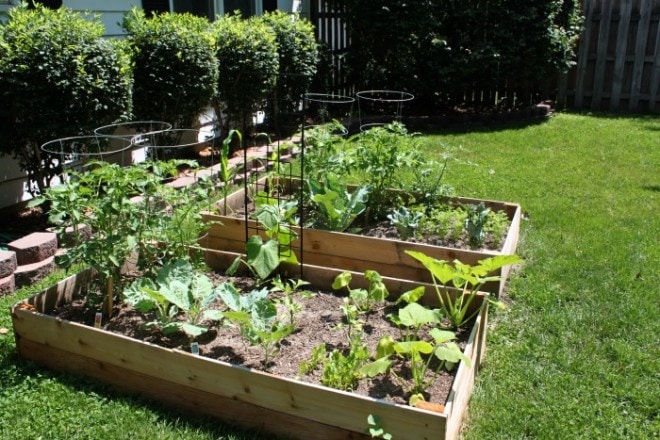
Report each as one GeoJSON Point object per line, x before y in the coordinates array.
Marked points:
{"type": "Point", "coordinates": [381, 107]}
{"type": "Point", "coordinates": [322, 108]}
{"type": "Point", "coordinates": [75, 151]}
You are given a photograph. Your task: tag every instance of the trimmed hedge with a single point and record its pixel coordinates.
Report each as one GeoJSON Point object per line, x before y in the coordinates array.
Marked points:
{"type": "Point", "coordinates": [298, 56]}
{"type": "Point", "coordinates": [58, 77]}
{"type": "Point", "coordinates": [247, 56]}
{"type": "Point", "coordinates": [175, 69]}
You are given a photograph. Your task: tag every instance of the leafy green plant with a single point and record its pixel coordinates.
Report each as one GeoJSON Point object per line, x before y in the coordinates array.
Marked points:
{"type": "Point", "coordinates": [325, 152]}
{"type": "Point", "coordinates": [58, 78]}
{"type": "Point", "coordinates": [380, 159]}
{"type": "Point", "coordinates": [256, 316]}
{"type": "Point", "coordinates": [340, 369]}
{"type": "Point", "coordinates": [406, 221]}
{"type": "Point", "coordinates": [465, 279]}
{"type": "Point", "coordinates": [162, 222]}
{"type": "Point", "coordinates": [246, 50]}
{"type": "Point", "coordinates": [227, 173]}
{"type": "Point", "coordinates": [444, 221]}
{"type": "Point", "coordinates": [477, 216]}
{"type": "Point", "coordinates": [288, 288]}
{"type": "Point", "coordinates": [336, 207]}
{"type": "Point", "coordinates": [416, 352]}
{"type": "Point", "coordinates": [298, 56]}
{"type": "Point", "coordinates": [263, 257]}
{"type": "Point", "coordinates": [496, 225]}
{"type": "Point", "coordinates": [364, 299]}
{"type": "Point", "coordinates": [177, 290]}
{"type": "Point", "coordinates": [175, 69]}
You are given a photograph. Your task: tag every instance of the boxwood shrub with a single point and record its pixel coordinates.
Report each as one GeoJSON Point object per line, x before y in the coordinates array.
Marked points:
{"type": "Point", "coordinates": [175, 69]}
{"type": "Point", "coordinates": [58, 77]}
{"type": "Point", "coordinates": [246, 51]}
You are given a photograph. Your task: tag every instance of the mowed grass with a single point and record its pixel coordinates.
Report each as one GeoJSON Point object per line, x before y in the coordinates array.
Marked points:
{"type": "Point", "coordinates": [577, 353]}
{"type": "Point", "coordinates": [574, 356]}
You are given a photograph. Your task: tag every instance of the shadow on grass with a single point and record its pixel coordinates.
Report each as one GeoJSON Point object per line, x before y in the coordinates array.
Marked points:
{"type": "Point", "coordinates": [18, 374]}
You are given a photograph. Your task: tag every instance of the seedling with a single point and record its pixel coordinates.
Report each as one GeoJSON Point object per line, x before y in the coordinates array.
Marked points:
{"type": "Point", "coordinates": [256, 316]}
{"type": "Point", "coordinates": [406, 221]}
{"type": "Point", "coordinates": [417, 353]}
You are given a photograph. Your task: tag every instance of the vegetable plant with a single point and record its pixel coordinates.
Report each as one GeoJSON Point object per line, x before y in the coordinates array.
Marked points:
{"type": "Point", "coordinates": [363, 299]}
{"type": "Point", "coordinates": [256, 316]}
{"type": "Point", "coordinates": [477, 216]}
{"type": "Point", "coordinates": [177, 290]}
{"type": "Point", "coordinates": [263, 257]}
{"type": "Point", "coordinates": [288, 288]}
{"type": "Point", "coordinates": [425, 358]}
{"type": "Point", "coordinates": [406, 221]}
{"type": "Point", "coordinates": [162, 222]}
{"type": "Point", "coordinates": [336, 207]}
{"type": "Point", "coordinates": [458, 284]}
{"type": "Point", "coordinates": [340, 369]}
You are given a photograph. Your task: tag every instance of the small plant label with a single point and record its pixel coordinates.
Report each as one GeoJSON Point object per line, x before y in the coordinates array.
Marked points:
{"type": "Point", "coordinates": [194, 348]}
{"type": "Point", "coordinates": [97, 319]}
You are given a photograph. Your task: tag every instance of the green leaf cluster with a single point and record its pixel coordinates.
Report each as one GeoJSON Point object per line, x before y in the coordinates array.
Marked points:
{"type": "Point", "coordinates": [336, 207]}
{"type": "Point", "coordinates": [58, 77]}
{"type": "Point", "coordinates": [256, 316]}
{"type": "Point", "coordinates": [436, 50]}
{"type": "Point", "coordinates": [298, 54]}
{"type": "Point", "coordinates": [464, 279]}
{"type": "Point", "coordinates": [158, 225]}
{"type": "Point", "coordinates": [174, 67]}
{"type": "Point", "coordinates": [177, 291]}
{"type": "Point", "coordinates": [247, 55]}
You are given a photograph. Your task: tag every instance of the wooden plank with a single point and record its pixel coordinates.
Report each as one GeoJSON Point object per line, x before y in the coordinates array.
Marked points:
{"type": "Point", "coordinates": [654, 94]}
{"type": "Point", "coordinates": [359, 253]}
{"type": "Point", "coordinates": [620, 54]}
{"type": "Point", "coordinates": [461, 390]}
{"type": "Point", "coordinates": [583, 51]}
{"type": "Point", "coordinates": [183, 399]}
{"type": "Point", "coordinates": [350, 411]}
{"type": "Point", "coordinates": [190, 382]}
{"type": "Point", "coordinates": [640, 52]}
{"type": "Point", "coordinates": [601, 52]}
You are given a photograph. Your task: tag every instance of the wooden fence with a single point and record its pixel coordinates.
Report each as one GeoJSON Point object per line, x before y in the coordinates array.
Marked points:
{"type": "Point", "coordinates": [618, 64]}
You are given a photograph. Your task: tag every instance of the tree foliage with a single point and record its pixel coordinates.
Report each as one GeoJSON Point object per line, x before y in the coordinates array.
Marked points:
{"type": "Point", "coordinates": [436, 49]}
{"type": "Point", "coordinates": [175, 70]}
{"type": "Point", "coordinates": [58, 77]}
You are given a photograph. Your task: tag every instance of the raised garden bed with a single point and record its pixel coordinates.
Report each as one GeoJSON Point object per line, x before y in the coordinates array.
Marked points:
{"type": "Point", "coordinates": [230, 392]}
{"type": "Point", "coordinates": [358, 253]}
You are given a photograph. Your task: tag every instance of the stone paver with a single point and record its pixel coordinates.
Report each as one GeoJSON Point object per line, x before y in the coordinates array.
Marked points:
{"type": "Point", "coordinates": [34, 247]}
{"type": "Point", "coordinates": [8, 263]}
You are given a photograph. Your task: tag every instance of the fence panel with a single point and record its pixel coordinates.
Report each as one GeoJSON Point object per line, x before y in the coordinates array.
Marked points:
{"type": "Point", "coordinates": [618, 66]}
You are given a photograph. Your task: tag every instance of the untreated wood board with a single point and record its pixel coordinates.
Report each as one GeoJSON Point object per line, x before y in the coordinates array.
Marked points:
{"type": "Point", "coordinates": [229, 392]}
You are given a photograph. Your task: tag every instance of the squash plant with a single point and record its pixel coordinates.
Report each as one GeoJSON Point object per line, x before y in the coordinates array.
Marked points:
{"type": "Point", "coordinates": [465, 279]}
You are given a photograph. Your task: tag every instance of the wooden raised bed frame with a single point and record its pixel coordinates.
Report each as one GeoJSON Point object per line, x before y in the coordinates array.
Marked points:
{"type": "Point", "coordinates": [237, 395]}
{"type": "Point", "coordinates": [358, 253]}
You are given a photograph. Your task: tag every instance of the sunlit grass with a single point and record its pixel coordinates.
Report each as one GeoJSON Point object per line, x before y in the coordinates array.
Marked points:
{"type": "Point", "coordinates": [575, 355]}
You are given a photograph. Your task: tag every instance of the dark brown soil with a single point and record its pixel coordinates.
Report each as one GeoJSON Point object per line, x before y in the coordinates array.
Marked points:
{"type": "Point", "coordinates": [316, 324]}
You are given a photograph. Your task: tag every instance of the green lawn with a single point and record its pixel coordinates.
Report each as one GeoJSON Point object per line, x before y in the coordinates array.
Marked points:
{"type": "Point", "coordinates": [576, 354]}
